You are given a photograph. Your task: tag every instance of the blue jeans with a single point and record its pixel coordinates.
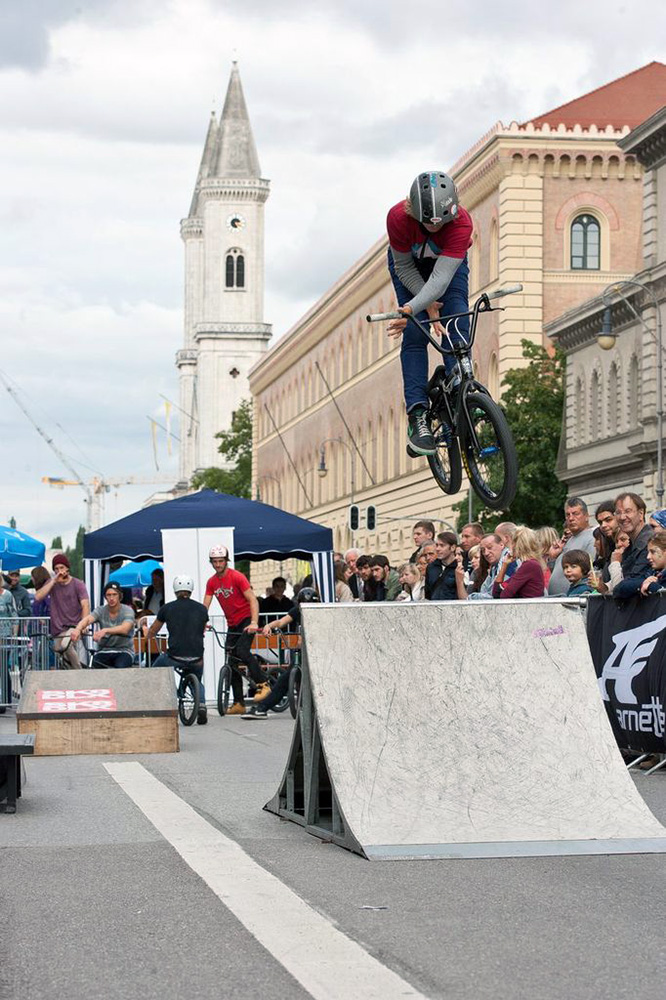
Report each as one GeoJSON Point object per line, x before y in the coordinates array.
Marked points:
{"type": "Point", "coordinates": [414, 350]}
{"type": "Point", "coordinates": [191, 667]}
{"type": "Point", "coordinates": [112, 658]}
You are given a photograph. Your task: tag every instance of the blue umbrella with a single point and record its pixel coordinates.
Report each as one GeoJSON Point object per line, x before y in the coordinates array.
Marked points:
{"type": "Point", "coordinates": [18, 550]}
{"type": "Point", "coordinates": [135, 574]}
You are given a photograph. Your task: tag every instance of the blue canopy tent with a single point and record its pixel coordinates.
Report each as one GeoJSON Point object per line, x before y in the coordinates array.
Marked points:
{"type": "Point", "coordinates": [135, 574]}
{"type": "Point", "coordinates": [18, 550]}
{"type": "Point", "coordinates": [260, 532]}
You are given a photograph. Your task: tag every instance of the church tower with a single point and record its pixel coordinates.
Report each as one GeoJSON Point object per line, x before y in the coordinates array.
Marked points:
{"type": "Point", "coordinates": [224, 283]}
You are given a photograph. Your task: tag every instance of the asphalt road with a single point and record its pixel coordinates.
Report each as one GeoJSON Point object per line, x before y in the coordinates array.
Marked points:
{"type": "Point", "coordinates": [95, 903]}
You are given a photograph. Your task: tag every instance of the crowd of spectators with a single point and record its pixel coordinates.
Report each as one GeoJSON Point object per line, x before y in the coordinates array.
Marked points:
{"type": "Point", "coordinates": [618, 550]}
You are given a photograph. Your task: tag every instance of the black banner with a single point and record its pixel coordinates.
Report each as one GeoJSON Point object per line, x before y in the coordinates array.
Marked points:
{"type": "Point", "coordinates": [628, 645]}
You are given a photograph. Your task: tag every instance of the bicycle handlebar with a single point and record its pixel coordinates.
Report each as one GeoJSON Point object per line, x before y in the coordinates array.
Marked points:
{"type": "Point", "coordinates": [380, 317]}
{"type": "Point", "coordinates": [497, 294]}
{"type": "Point", "coordinates": [509, 290]}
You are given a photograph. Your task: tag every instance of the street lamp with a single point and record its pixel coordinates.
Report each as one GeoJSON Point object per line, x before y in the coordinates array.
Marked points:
{"type": "Point", "coordinates": [322, 471]}
{"type": "Point", "coordinates": [606, 340]}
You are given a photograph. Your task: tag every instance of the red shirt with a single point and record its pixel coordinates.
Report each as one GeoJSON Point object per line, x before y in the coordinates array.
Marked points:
{"type": "Point", "coordinates": [527, 581]}
{"type": "Point", "coordinates": [229, 590]}
{"type": "Point", "coordinates": [406, 235]}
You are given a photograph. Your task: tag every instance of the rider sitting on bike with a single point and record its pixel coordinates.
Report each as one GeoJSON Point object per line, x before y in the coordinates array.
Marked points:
{"type": "Point", "coordinates": [306, 595]}
{"type": "Point", "coordinates": [186, 621]}
{"type": "Point", "coordinates": [429, 234]}
{"type": "Point", "coordinates": [115, 643]}
{"type": "Point", "coordinates": [241, 609]}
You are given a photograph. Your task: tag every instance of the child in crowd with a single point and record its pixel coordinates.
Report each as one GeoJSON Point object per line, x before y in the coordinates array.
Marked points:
{"type": "Point", "coordinates": [657, 559]}
{"type": "Point", "coordinates": [577, 567]}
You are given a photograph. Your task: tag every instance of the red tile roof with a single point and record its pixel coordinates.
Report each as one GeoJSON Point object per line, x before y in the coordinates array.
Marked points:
{"type": "Point", "coordinates": [628, 100]}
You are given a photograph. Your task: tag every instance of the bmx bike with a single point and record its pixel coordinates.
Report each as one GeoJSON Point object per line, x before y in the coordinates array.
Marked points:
{"type": "Point", "coordinates": [468, 425]}
{"type": "Point", "coordinates": [232, 663]}
{"type": "Point", "coordinates": [188, 692]}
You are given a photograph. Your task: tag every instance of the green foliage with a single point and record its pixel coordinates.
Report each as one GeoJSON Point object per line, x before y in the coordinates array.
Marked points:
{"type": "Point", "coordinates": [236, 446]}
{"type": "Point", "coordinates": [57, 543]}
{"type": "Point", "coordinates": [533, 403]}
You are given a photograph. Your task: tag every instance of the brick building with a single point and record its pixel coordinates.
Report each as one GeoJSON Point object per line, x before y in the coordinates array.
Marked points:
{"type": "Point", "coordinates": [557, 206]}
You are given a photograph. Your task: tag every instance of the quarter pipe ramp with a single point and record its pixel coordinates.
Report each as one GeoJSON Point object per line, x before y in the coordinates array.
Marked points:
{"type": "Point", "coordinates": [450, 730]}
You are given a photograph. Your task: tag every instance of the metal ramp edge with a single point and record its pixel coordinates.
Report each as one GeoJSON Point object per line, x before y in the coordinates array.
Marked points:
{"type": "Point", "coordinates": [306, 795]}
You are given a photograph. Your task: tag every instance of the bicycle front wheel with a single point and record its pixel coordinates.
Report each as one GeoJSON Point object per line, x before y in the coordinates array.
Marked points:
{"type": "Point", "coordinates": [490, 460]}
{"type": "Point", "coordinates": [445, 464]}
{"type": "Point", "coordinates": [189, 699]}
{"type": "Point", "coordinates": [223, 689]}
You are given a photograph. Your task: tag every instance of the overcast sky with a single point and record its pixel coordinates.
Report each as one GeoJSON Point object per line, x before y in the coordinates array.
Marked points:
{"type": "Point", "coordinates": [104, 106]}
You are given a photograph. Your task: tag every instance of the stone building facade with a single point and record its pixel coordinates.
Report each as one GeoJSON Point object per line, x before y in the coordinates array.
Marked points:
{"type": "Point", "coordinates": [532, 190]}
{"type": "Point", "coordinates": [224, 331]}
{"type": "Point", "coordinates": [609, 440]}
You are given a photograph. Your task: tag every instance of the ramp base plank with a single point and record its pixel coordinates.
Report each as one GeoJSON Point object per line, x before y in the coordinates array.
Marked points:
{"type": "Point", "coordinates": [455, 730]}
{"type": "Point", "coordinates": [100, 711]}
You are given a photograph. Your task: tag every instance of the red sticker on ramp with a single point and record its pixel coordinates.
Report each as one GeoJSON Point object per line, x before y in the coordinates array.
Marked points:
{"type": "Point", "coordinates": [91, 700]}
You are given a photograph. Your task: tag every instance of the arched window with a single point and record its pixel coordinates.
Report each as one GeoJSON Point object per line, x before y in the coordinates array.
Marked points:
{"type": "Point", "coordinates": [493, 376]}
{"type": "Point", "coordinates": [595, 407]}
{"type": "Point", "coordinates": [633, 392]}
{"type": "Point", "coordinates": [493, 252]}
{"type": "Point", "coordinates": [585, 243]}
{"type": "Point", "coordinates": [234, 269]}
{"type": "Point", "coordinates": [579, 400]}
{"type": "Point", "coordinates": [613, 399]}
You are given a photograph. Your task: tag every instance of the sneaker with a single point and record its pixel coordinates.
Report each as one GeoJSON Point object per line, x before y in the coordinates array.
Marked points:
{"type": "Point", "coordinates": [202, 717]}
{"type": "Point", "coordinates": [256, 712]}
{"type": "Point", "coordinates": [236, 709]}
{"type": "Point", "coordinates": [419, 435]}
{"type": "Point", "coordinates": [411, 452]}
{"type": "Point", "coordinates": [263, 691]}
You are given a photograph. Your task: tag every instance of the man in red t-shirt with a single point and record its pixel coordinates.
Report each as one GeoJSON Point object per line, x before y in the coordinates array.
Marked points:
{"type": "Point", "coordinates": [429, 234]}
{"type": "Point", "coordinates": [241, 609]}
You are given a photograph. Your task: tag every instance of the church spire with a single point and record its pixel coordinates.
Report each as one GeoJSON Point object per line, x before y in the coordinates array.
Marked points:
{"type": "Point", "coordinates": [236, 151]}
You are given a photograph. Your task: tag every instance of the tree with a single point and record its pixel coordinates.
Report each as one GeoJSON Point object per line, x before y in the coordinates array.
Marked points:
{"type": "Point", "coordinates": [236, 446]}
{"type": "Point", "coordinates": [533, 403]}
{"type": "Point", "coordinates": [57, 543]}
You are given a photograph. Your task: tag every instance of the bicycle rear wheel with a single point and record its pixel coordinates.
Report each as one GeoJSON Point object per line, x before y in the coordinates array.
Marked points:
{"type": "Point", "coordinates": [445, 464]}
{"type": "Point", "coordinates": [294, 691]}
{"type": "Point", "coordinates": [492, 466]}
{"type": "Point", "coordinates": [223, 689]}
{"type": "Point", "coordinates": [189, 699]}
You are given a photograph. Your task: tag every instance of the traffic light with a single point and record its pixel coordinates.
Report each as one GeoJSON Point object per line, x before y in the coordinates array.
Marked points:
{"type": "Point", "coordinates": [354, 517]}
{"type": "Point", "coordinates": [370, 517]}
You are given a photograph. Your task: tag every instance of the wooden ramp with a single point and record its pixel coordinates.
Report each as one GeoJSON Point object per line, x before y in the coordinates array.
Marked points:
{"type": "Point", "coordinates": [99, 711]}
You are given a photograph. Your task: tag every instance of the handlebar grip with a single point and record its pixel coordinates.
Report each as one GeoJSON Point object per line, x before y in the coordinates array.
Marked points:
{"type": "Point", "coordinates": [508, 290]}
{"type": "Point", "coordinates": [380, 317]}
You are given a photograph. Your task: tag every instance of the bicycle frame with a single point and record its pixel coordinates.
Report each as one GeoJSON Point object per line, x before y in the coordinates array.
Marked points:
{"type": "Point", "coordinates": [438, 389]}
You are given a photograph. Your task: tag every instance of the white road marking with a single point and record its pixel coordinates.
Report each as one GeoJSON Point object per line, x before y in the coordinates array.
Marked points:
{"type": "Point", "coordinates": [326, 962]}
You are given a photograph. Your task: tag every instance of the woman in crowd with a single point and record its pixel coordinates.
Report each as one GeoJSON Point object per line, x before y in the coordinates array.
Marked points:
{"type": "Point", "coordinates": [622, 540]}
{"type": "Point", "coordinates": [657, 559]}
{"type": "Point", "coordinates": [343, 594]}
{"type": "Point", "coordinates": [658, 520]}
{"type": "Point", "coordinates": [528, 579]}
{"type": "Point", "coordinates": [550, 546]}
{"type": "Point", "coordinates": [412, 583]}
{"type": "Point", "coordinates": [604, 546]}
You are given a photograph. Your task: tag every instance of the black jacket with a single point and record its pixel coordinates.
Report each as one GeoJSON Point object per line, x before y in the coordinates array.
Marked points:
{"type": "Point", "coordinates": [440, 582]}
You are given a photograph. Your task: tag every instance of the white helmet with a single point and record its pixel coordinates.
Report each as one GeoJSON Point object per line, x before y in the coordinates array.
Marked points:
{"type": "Point", "coordinates": [219, 552]}
{"type": "Point", "coordinates": [183, 583]}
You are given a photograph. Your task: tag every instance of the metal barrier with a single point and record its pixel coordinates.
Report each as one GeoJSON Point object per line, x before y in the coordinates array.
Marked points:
{"type": "Point", "coordinates": [25, 644]}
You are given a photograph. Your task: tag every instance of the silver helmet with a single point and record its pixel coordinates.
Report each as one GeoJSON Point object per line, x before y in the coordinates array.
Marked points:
{"type": "Point", "coordinates": [433, 198]}
{"type": "Point", "coordinates": [181, 583]}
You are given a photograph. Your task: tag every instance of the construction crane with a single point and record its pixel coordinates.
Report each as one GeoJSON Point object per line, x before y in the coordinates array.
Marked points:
{"type": "Point", "coordinates": [98, 487]}
{"type": "Point", "coordinates": [77, 481]}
